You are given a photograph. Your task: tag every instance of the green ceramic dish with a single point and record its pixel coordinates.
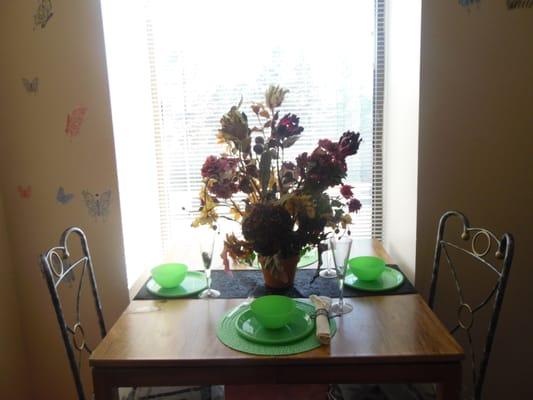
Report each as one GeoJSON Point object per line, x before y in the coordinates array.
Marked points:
{"type": "Point", "coordinates": [169, 275]}
{"type": "Point", "coordinates": [389, 279]}
{"type": "Point", "coordinates": [228, 334]}
{"type": "Point", "coordinates": [193, 283]}
{"type": "Point", "coordinates": [300, 326]}
{"type": "Point", "coordinates": [366, 268]}
{"type": "Point", "coordinates": [273, 311]}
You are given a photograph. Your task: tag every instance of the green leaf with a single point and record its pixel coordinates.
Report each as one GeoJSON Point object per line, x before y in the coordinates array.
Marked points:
{"type": "Point", "coordinates": [290, 141]}
{"type": "Point", "coordinates": [264, 170]}
{"type": "Point", "coordinates": [336, 203]}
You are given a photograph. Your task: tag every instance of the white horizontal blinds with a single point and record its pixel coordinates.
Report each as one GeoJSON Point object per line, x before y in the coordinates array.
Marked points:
{"type": "Point", "coordinates": [379, 89]}
{"type": "Point", "coordinates": [207, 54]}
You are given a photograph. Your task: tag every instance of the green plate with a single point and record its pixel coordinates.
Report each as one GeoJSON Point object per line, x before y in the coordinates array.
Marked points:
{"type": "Point", "coordinates": [389, 279]}
{"type": "Point", "coordinates": [306, 260]}
{"type": "Point", "coordinates": [250, 328]}
{"type": "Point", "coordinates": [228, 334]}
{"type": "Point", "coordinates": [193, 283]}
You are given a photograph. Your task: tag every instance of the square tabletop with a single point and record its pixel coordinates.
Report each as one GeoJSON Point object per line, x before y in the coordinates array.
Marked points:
{"type": "Point", "coordinates": [183, 331]}
{"type": "Point", "coordinates": [385, 338]}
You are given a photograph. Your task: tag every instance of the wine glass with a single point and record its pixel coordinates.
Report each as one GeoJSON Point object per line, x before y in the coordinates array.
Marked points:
{"type": "Point", "coordinates": [329, 272]}
{"type": "Point", "coordinates": [340, 250]}
{"type": "Point", "coordinates": [206, 243]}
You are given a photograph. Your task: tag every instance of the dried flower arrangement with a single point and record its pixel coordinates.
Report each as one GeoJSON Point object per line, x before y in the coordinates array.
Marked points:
{"type": "Point", "coordinates": [282, 206]}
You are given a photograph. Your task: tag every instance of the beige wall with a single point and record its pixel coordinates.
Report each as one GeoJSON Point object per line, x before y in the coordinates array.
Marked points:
{"type": "Point", "coordinates": [400, 144]}
{"type": "Point", "coordinates": [13, 366]}
{"type": "Point", "coordinates": [68, 57]}
{"type": "Point", "coordinates": [476, 155]}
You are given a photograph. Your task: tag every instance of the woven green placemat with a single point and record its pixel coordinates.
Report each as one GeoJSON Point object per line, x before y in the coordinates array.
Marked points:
{"type": "Point", "coordinates": [227, 334]}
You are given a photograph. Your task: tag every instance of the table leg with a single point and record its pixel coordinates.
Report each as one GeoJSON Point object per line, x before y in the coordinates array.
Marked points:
{"type": "Point", "coordinates": [102, 387]}
{"type": "Point", "coordinates": [449, 388]}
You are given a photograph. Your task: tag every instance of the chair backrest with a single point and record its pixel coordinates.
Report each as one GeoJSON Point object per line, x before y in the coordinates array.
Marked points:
{"type": "Point", "coordinates": [494, 255]}
{"type": "Point", "coordinates": [59, 269]}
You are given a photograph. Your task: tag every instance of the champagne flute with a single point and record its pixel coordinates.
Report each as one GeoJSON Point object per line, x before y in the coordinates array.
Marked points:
{"type": "Point", "coordinates": [206, 242]}
{"type": "Point", "coordinates": [329, 272]}
{"type": "Point", "coordinates": [340, 250]}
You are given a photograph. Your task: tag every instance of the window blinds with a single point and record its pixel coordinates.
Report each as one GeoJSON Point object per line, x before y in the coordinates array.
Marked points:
{"type": "Point", "coordinates": [205, 55]}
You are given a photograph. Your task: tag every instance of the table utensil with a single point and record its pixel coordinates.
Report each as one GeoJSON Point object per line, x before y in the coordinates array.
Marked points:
{"type": "Point", "coordinates": [193, 283]}
{"type": "Point", "coordinates": [228, 334]}
{"type": "Point", "coordinates": [169, 275]}
{"type": "Point", "coordinates": [340, 249]}
{"type": "Point", "coordinates": [206, 238]}
{"type": "Point", "coordinates": [328, 272]}
{"type": "Point", "coordinates": [367, 268]}
{"type": "Point", "coordinates": [390, 279]}
{"type": "Point", "coordinates": [273, 311]}
{"type": "Point", "coordinates": [322, 306]}
{"type": "Point", "coordinates": [298, 327]}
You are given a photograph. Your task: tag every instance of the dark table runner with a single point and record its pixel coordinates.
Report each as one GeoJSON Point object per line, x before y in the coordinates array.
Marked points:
{"type": "Point", "coordinates": [244, 283]}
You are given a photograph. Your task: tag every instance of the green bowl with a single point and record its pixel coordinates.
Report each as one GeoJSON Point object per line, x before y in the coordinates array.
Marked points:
{"type": "Point", "coordinates": [273, 312]}
{"type": "Point", "coordinates": [170, 275]}
{"type": "Point", "coordinates": [367, 268]}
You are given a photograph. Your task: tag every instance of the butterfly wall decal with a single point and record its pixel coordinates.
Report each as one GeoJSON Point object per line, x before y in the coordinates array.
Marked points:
{"type": "Point", "coordinates": [74, 121]}
{"type": "Point", "coordinates": [31, 86]}
{"type": "Point", "coordinates": [97, 204]}
{"type": "Point", "coordinates": [43, 14]}
{"type": "Point", "coordinates": [24, 192]}
{"type": "Point", "coordinates": [63, 197]}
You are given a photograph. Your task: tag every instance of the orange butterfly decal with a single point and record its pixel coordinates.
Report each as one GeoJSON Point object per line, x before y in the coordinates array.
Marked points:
{"type": "Point", "coordinates": [74, 121]}
{"type": "Point", "coordinates": [24, 192]}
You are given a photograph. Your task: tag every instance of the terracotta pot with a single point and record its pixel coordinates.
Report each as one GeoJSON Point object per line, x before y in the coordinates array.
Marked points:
{"type": "Point", "coordinates": [281, 277]}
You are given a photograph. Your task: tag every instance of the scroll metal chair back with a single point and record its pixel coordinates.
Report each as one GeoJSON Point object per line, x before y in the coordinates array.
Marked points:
{"type": "Point", "coordinates": [59, 268]}
{"type": "Point", "coordinates": [481, 246]}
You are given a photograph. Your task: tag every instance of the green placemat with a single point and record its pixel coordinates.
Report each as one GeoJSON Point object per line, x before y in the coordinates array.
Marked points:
{"type": "Point", "coordinates": [227, 334]}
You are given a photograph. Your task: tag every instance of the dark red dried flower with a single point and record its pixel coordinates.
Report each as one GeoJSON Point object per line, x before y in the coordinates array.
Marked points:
{"type": "Point", "coordinates": [267, 227]}
{"type": "Point", "coordinates": [328, 145]}
{"type": "Point", "coordinates": [346, 191]}
{"type": "Point", "coordinates": [219, 167]}
{"type": "Point", "coordinates": [354, 205]}
{"type": "Point", "coordinates": [301, 162]}
{"type": "Point", "coordinates": [288, 126]}
{"type": "Point", "coordinates": [224, 189]}
{"type": "Point", "coordinates": [349, 143]}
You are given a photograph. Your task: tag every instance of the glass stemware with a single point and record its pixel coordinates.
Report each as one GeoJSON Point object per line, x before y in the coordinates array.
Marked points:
{"type": "Point", "coordinates": [206, 242]}
{"type": "Point", "coordinates": [329, 272]}
{"type": "Point", "coordinates": [340, 250]}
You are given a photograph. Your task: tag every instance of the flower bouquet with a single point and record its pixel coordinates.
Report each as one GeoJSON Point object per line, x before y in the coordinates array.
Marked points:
{"type": "Point", "coordinates": [284, 207]}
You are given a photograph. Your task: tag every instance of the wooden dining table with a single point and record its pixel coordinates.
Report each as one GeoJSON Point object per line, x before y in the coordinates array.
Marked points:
{"type": "Point", "coordinates": [385, 339]}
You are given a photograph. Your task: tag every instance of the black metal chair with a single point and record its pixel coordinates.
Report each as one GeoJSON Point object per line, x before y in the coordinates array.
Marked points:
{"type": "Point", "coordinates": [71, 268]}
{"type": "Point", "coordinates": [59, 270]}
{"type": "Point", "coordinates": [495, 258]}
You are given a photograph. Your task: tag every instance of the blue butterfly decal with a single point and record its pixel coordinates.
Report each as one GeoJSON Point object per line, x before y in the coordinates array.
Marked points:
{"type": "Point", "coordinates": [97, 204]}
{"type": "Point", "coordinates": [63, 197]}
{"type": "Point", "coordinates": [31, 86]}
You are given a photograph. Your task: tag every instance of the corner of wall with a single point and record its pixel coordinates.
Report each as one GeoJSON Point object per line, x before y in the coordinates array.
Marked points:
{"type": "Point", "coordinates": [400, 155]}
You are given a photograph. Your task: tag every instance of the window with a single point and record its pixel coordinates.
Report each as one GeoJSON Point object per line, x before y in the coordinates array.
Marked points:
{"type": "Point", "coordinates": [202, 56]}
